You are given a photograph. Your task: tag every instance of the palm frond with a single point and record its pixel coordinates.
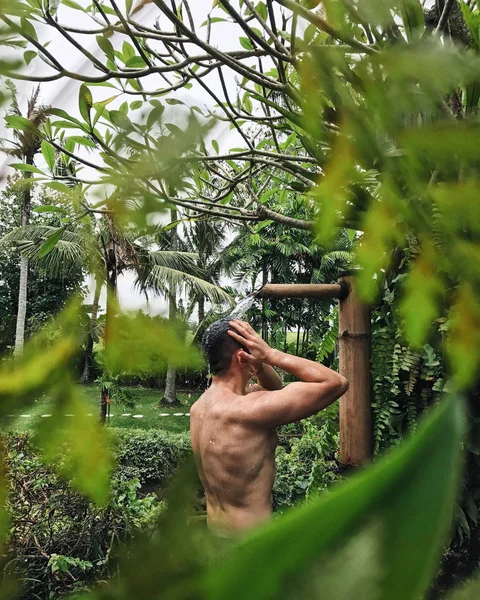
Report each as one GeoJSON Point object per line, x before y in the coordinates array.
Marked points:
{"type": "Point", "coordinates": [161, 276]}
{"type": "Point", "coordinates": [68, 253]}
{"type": "Point", "coordinates": [174, 259]}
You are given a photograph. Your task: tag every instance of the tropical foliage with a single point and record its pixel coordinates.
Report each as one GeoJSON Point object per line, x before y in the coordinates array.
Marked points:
{"type": "Point", "coordinates": [350, 138]}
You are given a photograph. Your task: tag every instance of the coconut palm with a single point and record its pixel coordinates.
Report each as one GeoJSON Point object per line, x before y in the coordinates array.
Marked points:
{"type": "Point", "coordinates": [206, 238]}
{"type": "Point", "coordinates": [25, 146]}
{"type": "Point", "coordinates": [107, 251]}
{"type": "Point", "coordinates": [201, 239]}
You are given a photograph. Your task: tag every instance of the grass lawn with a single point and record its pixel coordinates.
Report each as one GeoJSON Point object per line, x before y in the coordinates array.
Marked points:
{"type": "Point", "coordinates": [146, 403]}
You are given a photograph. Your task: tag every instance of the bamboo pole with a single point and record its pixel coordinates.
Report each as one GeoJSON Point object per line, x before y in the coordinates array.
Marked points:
{"type": "Point", "coordinates": [356, 446]}
{"type": "Point", "coordinates": [302, 290]}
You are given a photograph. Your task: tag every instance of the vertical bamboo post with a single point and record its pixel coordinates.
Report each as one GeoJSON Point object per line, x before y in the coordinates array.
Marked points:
{"type": "Point", "coordinates": [356, 444]}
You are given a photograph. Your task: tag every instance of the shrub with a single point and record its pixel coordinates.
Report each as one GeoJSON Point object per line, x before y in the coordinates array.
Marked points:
{"type": "Point", "coordinates": [305, 459]}
{"type": "Point", "coordinates": [60, 542]}
{"type": "Point", "coordinates": [149, 456]}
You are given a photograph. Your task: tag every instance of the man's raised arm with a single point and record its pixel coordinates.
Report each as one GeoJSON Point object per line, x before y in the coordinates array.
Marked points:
{"type": "Point", "coordinates": [319, 385]}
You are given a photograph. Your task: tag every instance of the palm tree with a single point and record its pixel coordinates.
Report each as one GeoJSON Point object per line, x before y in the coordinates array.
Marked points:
{"type": "Point", "coordinates": [107, 250]}
{"type": "Point", "coordinates": [25, 146]}
{"type": "Point", "coordinates": [199, 240]}
{"type": "Point", "coordinates": [205, 237]}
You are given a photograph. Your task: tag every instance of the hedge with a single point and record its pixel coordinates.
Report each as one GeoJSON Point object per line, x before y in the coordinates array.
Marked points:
{"type": "Point", "coordinates": [59, 542]}
{"type": "Point", "coordinates": [149, 456]}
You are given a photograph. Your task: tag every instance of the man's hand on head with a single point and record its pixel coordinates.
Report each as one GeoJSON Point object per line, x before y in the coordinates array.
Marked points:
{"type": "Point", "coordinates": [258, 350]}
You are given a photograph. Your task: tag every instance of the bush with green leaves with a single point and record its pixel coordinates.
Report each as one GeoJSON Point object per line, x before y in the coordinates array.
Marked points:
{"type": "Point", "coordinates": [306, 461]}
{"type": "Point", "coordinates": [58, 540]}
{"type": "Point", "coordinates": [149, 456]}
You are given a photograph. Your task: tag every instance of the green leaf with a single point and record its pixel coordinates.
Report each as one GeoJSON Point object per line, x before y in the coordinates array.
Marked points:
{"type": "Point", "coordinates": [50, 243]}
{"type": "Point", "coordinates": [83, 141]}
{"type": "Point", "coordinates": [28, 28]}
{"type": "Point", "coordinates": [471, 591]}
{"type": "Point", "coordinates": [50, 208]}
{"type": "Point", "coordinates": [120, 120]}
{"type": "Point", "coordinates": [66, 125]}
{"type": "Point", "coordinates": [48, 153]}
{"type": "Point", "coordinates": [136, 62]}
{"type": "Point", "coordinates": [21, 124]}
{"type": "Point", "coordinates": [26, 168]}
{"type": "Point", "coordinates": [413, 19]}
{"type": "Point", "coordinates": [28, 56]}
{"type": "Point", "coordinates": [408, 498]}
{"type": "Point", "coordinates": [78, 446]}
{"type": "Point", "coordinates": [136, 104]}
{"type": "Point", "coordinates": [58, 112]}
{"type": "Point", "coordinates": [128, 52]}
{"type": "Point", "coordinates": [262, 10]}
{"type": "Point", "coordinates": [106, 46]}
{"type": "Point", "coordinates": [174, 129]}
{"type": "Point", "coordinates": [215, 146]}
{"type": "Point", "coordinates": [173, 101]}
{"type": "Point", "coordinates": [214, 20]}
{"type": "Point", "coordinates": [135, 339]}
{"type": "Point", "coordinates": [72, 4]}
{"type": "Point", "coordinates": [246, 43]}
{"type": "Point", "coordinates": [85, 102]}
{"type": "Point", "coordinates": [128, 6]}
{"type": "Point", "coordinates": [423, 291]}
{"type": "Point", "coordinates": [57, 186]}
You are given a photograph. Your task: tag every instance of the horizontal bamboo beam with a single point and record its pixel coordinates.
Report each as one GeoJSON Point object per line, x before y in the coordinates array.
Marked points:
{"type": "Point", "coordinates": [303, 290]}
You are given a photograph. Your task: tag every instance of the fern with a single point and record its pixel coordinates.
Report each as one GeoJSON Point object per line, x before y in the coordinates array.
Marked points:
{"type": "Point", "coordinates": [329, 340]}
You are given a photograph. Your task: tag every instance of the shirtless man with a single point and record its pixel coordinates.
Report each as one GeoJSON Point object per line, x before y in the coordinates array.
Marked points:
{"type": "Point", "coordinates": [232, 425]}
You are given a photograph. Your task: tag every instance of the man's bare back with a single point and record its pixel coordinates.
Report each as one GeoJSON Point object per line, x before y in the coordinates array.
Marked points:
{"type": "Point", "coordinates": [233, 427]}
{"type": "Point", "coordinates": [235, 460]}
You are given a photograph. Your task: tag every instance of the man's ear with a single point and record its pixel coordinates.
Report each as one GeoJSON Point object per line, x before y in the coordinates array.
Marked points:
{"type": "Point", "coordinates": [237, 357]}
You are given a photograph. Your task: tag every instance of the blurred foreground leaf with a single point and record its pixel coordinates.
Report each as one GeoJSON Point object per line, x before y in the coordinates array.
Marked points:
{"type": "Point", "coordinates": [405, 501]}
{"type": "Point", "coordinates": [470, 592]}
{"type": "Point", "coordinates": [140, 343]}
{"type": "Point", "coordinates": [77, 444]}
{"type": "Point", "coordinates": [45, 363]}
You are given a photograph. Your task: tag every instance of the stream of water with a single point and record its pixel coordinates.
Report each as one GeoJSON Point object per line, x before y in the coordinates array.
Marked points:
{"type": "Point", "coordinates": [239, 311]}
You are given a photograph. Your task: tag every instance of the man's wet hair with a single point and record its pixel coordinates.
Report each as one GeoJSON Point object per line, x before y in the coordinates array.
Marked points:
{"type": "Point", "coordinates": [219, 347]}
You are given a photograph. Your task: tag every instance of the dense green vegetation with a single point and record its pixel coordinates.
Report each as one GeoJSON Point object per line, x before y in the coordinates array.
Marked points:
{"type": "Point", "coordinates": [213, 148]}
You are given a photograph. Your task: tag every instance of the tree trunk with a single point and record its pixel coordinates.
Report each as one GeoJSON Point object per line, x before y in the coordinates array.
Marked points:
{"type": "Point", "coordinates": [264, 304]}
{"type": "Point", "coordinates": [304, 335]}
{"type": "Point", "coordinates": [111, 269]}
{"type": "Point", "coordinates": [170, 396]}
{"type": "Point", "coordinates": [201, 309]}
{"type": "Point", "coordinates": [23, 284]}
{"type": "Point", "coordinates": [22, 307]}
{"type": "Point", "coordinates": [87, 374]}
{"type": "Point", "coordinates": [298, 339]}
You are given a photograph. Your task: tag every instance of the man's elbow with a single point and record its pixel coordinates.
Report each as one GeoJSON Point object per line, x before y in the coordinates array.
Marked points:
{"type": "Point", "coordinates": [340, 385]}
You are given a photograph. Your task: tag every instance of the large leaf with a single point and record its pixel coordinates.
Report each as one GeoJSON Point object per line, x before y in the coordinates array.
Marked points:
{"type": "Point", "coordinates": [85, 102]}
{"type": "Point", "coordinates": [70, 251]}
{"type": "Point", "coordinates": [48, 154]}
{"type": "Point", "coordinates": [50, 243]}
{"type": "Point", "coordinates": [405, 501]}
{"type": "Point", "coordinates": [26, 168]}
{"type": "Point", "coordinates": [77, 445]}
{"type": "Point", "coordinates": [142, 344]}
{"type": "Point", "coordinates": [21, 123]}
